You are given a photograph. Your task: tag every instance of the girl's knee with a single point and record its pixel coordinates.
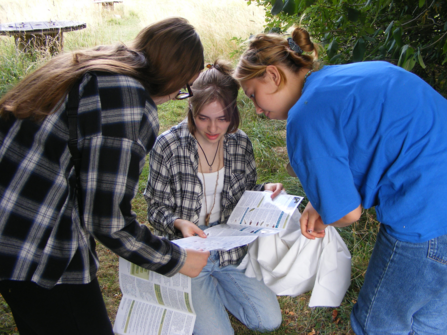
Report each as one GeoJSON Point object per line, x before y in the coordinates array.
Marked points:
{"type": "Point", "coordinates": [268, 322]}
{"type": "Point", "coordinates": [275, 323]}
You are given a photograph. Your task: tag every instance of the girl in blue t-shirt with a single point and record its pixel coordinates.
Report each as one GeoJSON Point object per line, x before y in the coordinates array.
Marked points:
{"type": "Point", "coordinates": [363, 135]}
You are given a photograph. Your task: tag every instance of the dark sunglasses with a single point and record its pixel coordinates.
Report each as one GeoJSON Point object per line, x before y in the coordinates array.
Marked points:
{"type": "Point", "coordinates": [183, 95]}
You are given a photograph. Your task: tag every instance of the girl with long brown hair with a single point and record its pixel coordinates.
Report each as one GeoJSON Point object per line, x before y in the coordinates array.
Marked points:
{"type": "Point", "coordinates": [53, 206]}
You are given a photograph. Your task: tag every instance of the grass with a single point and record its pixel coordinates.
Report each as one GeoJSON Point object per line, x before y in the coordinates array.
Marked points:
{"type": "Point", "coordinates": [222, 26]}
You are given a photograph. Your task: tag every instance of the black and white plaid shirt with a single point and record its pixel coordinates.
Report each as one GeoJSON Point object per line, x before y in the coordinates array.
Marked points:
{"type": "Point", "coordinates": [174, 190]}
{"type": "Point", "coordinates": [41, 238]}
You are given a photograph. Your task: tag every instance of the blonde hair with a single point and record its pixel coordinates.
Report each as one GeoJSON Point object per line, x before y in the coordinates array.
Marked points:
{"type": "Point", "coordinates": [163, 57]}
{"type": "Point", "coordinates": [274, 49]}
{"type": "Point", "coordinates": [215, 84]}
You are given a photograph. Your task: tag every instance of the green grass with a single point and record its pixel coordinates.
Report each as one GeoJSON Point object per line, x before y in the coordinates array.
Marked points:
{"type": "Point", "coordinates": [269, 142]}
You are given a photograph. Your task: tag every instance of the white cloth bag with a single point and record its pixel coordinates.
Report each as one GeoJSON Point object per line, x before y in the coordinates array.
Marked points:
{"type": "Point", "coordinates": [291, 264]}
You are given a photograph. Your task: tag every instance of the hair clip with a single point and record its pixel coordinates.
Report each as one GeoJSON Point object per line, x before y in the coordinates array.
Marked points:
{"type": "Point", "coordinates": [295, 47]}
{"type": "Point", "coordinates": [209, 66]}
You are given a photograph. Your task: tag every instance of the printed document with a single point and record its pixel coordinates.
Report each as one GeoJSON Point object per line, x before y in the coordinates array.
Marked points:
{"type": "Point", "coordinates": [256, 214]}
{"type": "Point", "coordinates": [153, 304]}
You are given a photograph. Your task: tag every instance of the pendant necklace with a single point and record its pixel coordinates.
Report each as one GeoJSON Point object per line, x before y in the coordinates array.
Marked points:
{"type": "Point", "coordinates": [210, 165]}
{"type": "Point", "coordinates": [208, 215]}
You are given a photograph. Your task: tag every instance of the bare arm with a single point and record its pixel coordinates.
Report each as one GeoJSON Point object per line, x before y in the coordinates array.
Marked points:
{"type": "Point", "coordinates": [312, 225]}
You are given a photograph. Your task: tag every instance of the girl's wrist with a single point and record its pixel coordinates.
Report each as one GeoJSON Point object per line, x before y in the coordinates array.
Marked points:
{"type": "Point", "coordinates": [178, 223]}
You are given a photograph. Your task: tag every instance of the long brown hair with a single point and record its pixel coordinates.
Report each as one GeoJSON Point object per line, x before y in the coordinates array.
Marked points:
{"type": "Point", "coordinates": [273, 49]}
{"type": "Point", "coordinates": [163, 57]}
{"type": "Point", "coordinates": [215, 84]}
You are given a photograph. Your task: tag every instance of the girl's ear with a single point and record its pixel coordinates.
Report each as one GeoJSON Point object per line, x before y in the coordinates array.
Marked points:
{"type": "Point", "coordinates": [272, 72]}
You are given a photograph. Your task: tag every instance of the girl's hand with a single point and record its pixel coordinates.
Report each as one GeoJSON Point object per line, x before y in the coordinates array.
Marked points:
{"type": "Point", "coordinates": [188, 228]}
{"type": "Point", "coordinates": [195, 261]}
{"type": "Point", "coordinates": [276, 188]}
{"type": "Point", "coordinates": [312, 225]}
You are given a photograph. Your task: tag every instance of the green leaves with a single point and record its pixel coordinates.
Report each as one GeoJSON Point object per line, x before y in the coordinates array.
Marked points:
{"type": "Point", "coordinates": [359, 50]}
{"type": "Point", "coordinates": [289, 7]}
{"type": "Point", "coordinates": [397, 34]}
{"type": "Point", "coordinates": [332, 48]}
{"type": "Point", "coordinates": [407, 58]}
{"type": "Point", "coordinates": [277, 7]}
{"type": "Point", "coordinates": [388, 30]}
{"type": "Point", "coordinates": [421, 61]}
{"type": "Point", "coordinates": [411, 34]}
{"type": "Point", "coordinates": [352, 14]}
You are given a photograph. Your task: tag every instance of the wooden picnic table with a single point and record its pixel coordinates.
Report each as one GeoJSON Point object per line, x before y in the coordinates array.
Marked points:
{"type": "Point", "coordinates": [40, 34]}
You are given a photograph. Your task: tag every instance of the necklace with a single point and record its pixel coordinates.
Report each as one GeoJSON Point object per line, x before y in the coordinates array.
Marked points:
{"type": "Point", "coordinates": [304, 81]}
{"type": "Point", "coordinates": [210, 165]}
{"type": "Point", "coordinates": [307, 75]}
{"type": "Point", "coordinates": [208, 215]}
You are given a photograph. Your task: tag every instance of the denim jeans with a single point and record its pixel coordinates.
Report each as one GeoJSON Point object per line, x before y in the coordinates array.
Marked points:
{"type": "Point", "coordinates": [405, 289]}
{"type": "Point", "coordinates": [249, 300]}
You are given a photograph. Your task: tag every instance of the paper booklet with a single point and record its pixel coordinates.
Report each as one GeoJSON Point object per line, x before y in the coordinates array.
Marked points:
{"type": "Point", "coordinates": [153, 304]}
{"type": "Point", "coordinates": [256, 214]}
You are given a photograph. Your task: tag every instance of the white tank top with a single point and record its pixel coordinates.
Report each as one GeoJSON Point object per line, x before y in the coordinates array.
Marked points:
{"type": "Point", "coordinates": [210, 182]}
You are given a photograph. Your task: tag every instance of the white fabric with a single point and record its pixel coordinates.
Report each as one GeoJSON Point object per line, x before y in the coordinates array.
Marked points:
{"type": "Point", "coordinates": [290, 264]}
{"type": "Point", "coordinates": [210, 182]}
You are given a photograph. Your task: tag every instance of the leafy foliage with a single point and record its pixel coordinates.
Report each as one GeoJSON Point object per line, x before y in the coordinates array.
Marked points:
{"type": "Point", "coordinates": [409, 33]}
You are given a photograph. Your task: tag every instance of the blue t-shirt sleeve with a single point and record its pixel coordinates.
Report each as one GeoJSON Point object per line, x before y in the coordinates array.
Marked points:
{"type": "Point", "coordinates": [319, 155]}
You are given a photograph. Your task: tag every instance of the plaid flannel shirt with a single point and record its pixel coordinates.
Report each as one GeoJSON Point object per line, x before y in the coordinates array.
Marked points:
{"type": "Point", "coordinates": [41, 237]}
{"type": "Point", "coordinates": [174, 190]}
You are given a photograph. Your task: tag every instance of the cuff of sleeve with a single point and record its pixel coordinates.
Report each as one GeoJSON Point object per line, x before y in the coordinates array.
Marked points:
{"type": "Point", "coordinates": [170, 229]}
{"type": "Point", "coordinates": [177, 261]}
{"type": "Point", "coordinates": [259, 187]}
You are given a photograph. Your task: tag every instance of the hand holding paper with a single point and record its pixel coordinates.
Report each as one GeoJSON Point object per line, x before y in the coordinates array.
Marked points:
{"type": "Point", "coordinates": [195, 262]}
{"type": "Point", "coordinates": [276, 188]}
{"type": "Point", "coordinates": [256, 214]}
{"type": "Point", "coordinates": [188, 228]}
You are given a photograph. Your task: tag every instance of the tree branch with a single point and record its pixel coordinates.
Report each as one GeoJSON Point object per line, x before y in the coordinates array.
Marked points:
{"type": "Point", "coordinates": [417, 17]}
{"type": "Point", "coordinates": [428, 46]}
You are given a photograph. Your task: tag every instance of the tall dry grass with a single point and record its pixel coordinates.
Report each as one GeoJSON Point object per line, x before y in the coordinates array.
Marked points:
{"type": "Point", "coordinates": [217, 21]}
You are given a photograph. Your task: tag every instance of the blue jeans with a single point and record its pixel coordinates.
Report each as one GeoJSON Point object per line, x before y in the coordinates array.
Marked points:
{"type": "Point", "coordinates": [405, 289]}
{"type": "Point", "coordinates": [248, 299]}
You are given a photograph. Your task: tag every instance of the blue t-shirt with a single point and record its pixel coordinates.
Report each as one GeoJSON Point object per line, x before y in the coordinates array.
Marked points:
{"type": "Point", "coordinates": [374, 134]}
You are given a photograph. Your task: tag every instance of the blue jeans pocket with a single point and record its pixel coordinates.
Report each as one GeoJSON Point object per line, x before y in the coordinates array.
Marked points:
{"type": "Point", "coordinates": [437, 249]}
